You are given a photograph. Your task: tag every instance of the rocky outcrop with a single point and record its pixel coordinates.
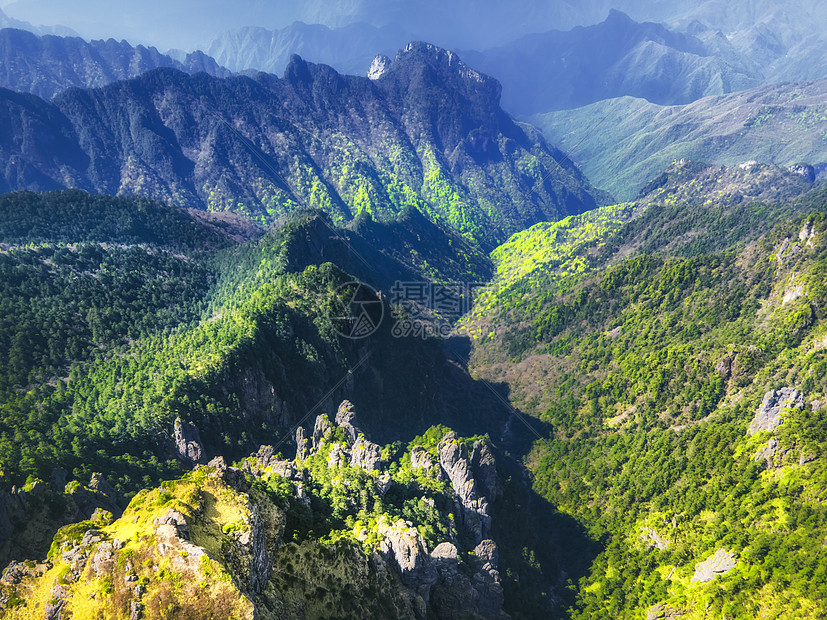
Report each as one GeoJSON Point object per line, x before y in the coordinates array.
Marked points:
{"type": "Point", "coordinates": [724, 365]}
{"type": "Point", "coordinates": [474, 510]}
{"type": "Point", "coordinates": [188, 445]}
{"type": "Point", "coordinates": [455, 595]}
{"type": "Point", "coordinates": [346, 418]}
{"type": "Point", "coordinates": [302, 448]}
{"type": "Point", "coordinates": [27, 521]}
{"type": "Point", "coordinates": [435, 578]}
{"type": "Point", "coordinates": [653, 539]}
{"type": "Point", "coordinates": [720, 563]}
{"type": "Point", "coordinates": [662, 612]}
{"type": "Point", "coordinates": [487, 579]}
{"type": "Point", "coordinates": [366, 454]}
{"type": "Point", "coordinates": [378, 66]}
{"type": "Point", "coordinates": [484, 466]}
{"type": "Point", "coordinates": [768, 452]}
{"type": "Point", "coordinates": [806, 234]}
{"type": "Point", "coordinates": [321, 430]}
{"type": "Point", "coordinates": [403, 547]}
{"type": "Point", "coordinates": [805, 170]}
{"type": "Point", "coordinates": [338, 455]}
{"type": "Point", "coordinates": [218, 526]}
{"type": "Point", "coordinates": [769, 414]}
{"type": "Point", "coordinates": [421, 459]}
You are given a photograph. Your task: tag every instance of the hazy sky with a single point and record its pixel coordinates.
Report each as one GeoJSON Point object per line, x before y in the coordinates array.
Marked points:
{"type": "Point", "coordinates": [477, 24]}
{"type": "Point", "coordinates": [187, 23]}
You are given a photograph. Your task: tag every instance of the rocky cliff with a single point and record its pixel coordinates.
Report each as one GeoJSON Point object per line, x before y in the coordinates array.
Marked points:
{"type": "Point", "coordinates": [328, 533]}
{"type": "Point", "coordinates": [428, 134]}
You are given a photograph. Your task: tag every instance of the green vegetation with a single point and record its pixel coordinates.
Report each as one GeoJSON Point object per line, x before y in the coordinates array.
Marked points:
{"type": "Point", "coordinates": [654, 353]}
{"type": "Point", "coordinates": [641, 337]}
{"type": "Point", "coordinates": [780, 124]}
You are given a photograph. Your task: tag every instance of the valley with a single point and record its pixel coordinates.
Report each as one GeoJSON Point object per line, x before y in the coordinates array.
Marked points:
{"type": "Point", "coordinates": [322, 345]}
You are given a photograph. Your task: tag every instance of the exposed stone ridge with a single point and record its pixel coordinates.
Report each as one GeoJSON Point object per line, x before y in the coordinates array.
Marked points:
{"type": "Point", "coordinates": [719, 563]}
{"type": "Point", "coordinates": [357, 451]}
{"type": "Point", "coordinates": [655, 539]}
{"type": "Point", "coordinates": [453, 457]}
{"type": "Point", "coordinates": [378, 67]}
{"type": "Point", "coordinates": [769, 414]}
{"type": "Point", "coordinates": [27, 523]}
{"type": "Point", "coordinates": [435, 577]}
{"type": "Point", "coordinates": [217, 526]}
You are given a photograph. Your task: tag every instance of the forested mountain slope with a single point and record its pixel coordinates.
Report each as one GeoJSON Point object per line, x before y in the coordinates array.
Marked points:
{"type": "Point", "coordinates": [674, 347]}
{"type": "Point", "coordinates": [428, 133]}
{"type": "Point", "coordinates": [622, 144]}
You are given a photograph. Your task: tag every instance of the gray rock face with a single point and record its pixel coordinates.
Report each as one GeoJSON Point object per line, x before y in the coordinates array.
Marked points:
{"type": "Point", "coordinates": [661, 611]}
{"type": "Point", "coordinates": [346, 418]}
{"type": "Point", "coordinates": [455, 595]}
{"type": "Point", "coordinates": [188, 442]}
{"type": "Point", "coordinates": [805, 170]}
{"type": "Point", "coordinates": [366, 454]}
{"type": "Point", "coordinates": [384, 483]}
{"type": "Point", "coordinates": [339, 455]}
{"type": "Point", "coordinates": [487, 580]}
{"type": "Point", "coordinates": [767, 452]}
{"type": "Point", "coordinates": [445, 551]}
{"type": "Point", "coordinates": [485, 470]}
{"type": "Point", "coordinates": [302, 451]}
{"type": "Point", "coordinates": [378, 67]}
{"type": "Point", "coordinates": [768, 417]}
{"type": "Point", "coordinates": [724, 365]}
{"type": "Point", "coordinates": [421, 459]}
{"type": "Point", "coordinates": [474, 506]}
{"type": "Point", "coordinates": [653, 539]}
{"type": "Point", "coordinates": [404, 548]}
{"type": "Point", "coordinates": [321, 430]}
{"type": "Point", "coordinates": [721, 562]}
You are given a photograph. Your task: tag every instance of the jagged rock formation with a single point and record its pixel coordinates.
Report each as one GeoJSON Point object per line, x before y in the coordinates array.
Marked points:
{"type": "Point", "coordinates": [422, 459]}
{"type": "Point", "coordinates": [653, 539]}
{"type": "Point", "coordinates": [453, 458]}
{"type": "Point", "coordinates": [219, 530]}
{"type": "Point", "coordinates": [47, 65]}
{"type": "Point", "coordinates": [28, 517]}
{"type": "Point", "coordinates": [378, 66]}
{"type": "Point", "coordinates": [721, 562]}
{"type": "Point", "coordinates": [769, 414]}
{"type": "Point", "coordinates": [188, 442]}
{"type": "Point", "coordinates": [661, 612]}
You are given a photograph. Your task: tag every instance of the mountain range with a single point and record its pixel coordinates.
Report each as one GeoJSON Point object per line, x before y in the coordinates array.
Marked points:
{"type": "Point", "coordinates": [624, 143]}
{"type": "Point", "coordinates": [428, 132]}
{"type": "Point", "coordinates": [317, 345]}
{"type": "Point", "coordinates": [349, 49]}
{"type": "Point", "coordinates": [47, 65]}
{"type": "Point", "coordinates": [560, 70]}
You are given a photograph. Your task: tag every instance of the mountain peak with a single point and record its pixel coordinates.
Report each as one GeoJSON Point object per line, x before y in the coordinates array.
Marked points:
{"type": "Point", "coordinates": [618, 17]}
{"type": "Point", "coordinates": [439, 57]}
{"type": "Point", "coordinates": [297, 70]}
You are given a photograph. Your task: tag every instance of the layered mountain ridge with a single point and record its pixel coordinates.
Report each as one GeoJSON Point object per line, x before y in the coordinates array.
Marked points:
{"type": "Point", "coordinates": [561, 70]}
{"type": "Point", "coordinates": [47, 65]}
{"type": "Point", "coordinates": [624, 143]}
{"type": "Point", "coordinates": [429, 134]}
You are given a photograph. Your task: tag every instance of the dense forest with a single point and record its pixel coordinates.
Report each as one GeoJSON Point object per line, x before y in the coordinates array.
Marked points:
{"type": "Point", "coordinates": [637, 343]}
{"type": "Point", "coordinates": [646, 346]}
